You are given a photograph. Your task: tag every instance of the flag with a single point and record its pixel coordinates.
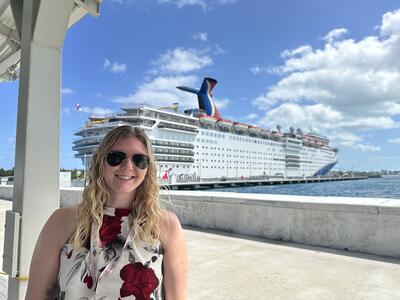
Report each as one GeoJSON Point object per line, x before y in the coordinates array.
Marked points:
{"type": "Point", "coordinates": [78, 107]}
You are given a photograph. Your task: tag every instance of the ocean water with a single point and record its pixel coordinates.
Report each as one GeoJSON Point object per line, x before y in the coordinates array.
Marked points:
{"type": "Point", "coordinates": [385, 187]}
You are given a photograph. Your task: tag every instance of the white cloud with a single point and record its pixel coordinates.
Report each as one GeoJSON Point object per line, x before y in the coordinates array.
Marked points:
{"type": "Point", "coordinates": [258, 69]}
{"type": "Point", "coordinates": [171, 69]}
{"type": "Point", "coordinates": [162, 91]}
{"type": "Point", "coordinates": [181, 60]}
{"type": "Point", "coordinates": [67, 91]}
{"type": "Point", "coordinates": [182, 3]}
{"type": "Point", "coordinates": [335, 34]}
{"type": "Point", "coordinates": [201, 36]}
{"type": "Point", "coordinates": [395, 141]}
{"type": "Point", "coordinates": [218, 50]}
{"type": "Point", "coordinates": [204, 4]}
{"type": "Point", "coordinates": [221, 103]}
{"type": "Point", "coordinates": [251, 116]}
{"type": "Point", "coordinates": [114, 67]}
{"type": "Point", "coordinates": [292, 114]}
{"type": "Point", "coordinates": [299, 51]}
{"type": "Point", "coordinates": [391, 23]}
{"type": "Point", "coordinates": [97, 111]}
{"type": "Point", "coordinates": [345, 86]}
{"type": "Point", "coordinates": [367, 148]}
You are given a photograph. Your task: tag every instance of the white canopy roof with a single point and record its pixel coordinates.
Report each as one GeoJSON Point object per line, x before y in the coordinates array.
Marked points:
{"type": "Point", "coordinates": [10, 43]}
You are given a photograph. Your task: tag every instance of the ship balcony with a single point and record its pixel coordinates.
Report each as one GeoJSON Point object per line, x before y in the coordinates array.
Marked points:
{"type": "Point", "coordinates": [172, 144]}
{"type": "Point", "coordinates": [170, 158]}
{"type": "Point", "coordinates": [178, 128]}
{"type": "Point", "coordinates": [93, 140]}
{"type": "Point", "coordinates": [173, 151]}
{"type": "Point", "coordinates": [84, 147]}
{"type": "Point", "coordinates": [292, 165]}
{"type": "Point", "coordinates": [80, 147]}
{"type": "Point", "coordinates": [293, 157]}
{"type": "Point", "coordinates": [84, 154]}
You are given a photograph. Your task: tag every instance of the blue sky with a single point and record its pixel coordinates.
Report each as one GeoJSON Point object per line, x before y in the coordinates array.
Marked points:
{"type": "Point", "coordinates": [333, 66]}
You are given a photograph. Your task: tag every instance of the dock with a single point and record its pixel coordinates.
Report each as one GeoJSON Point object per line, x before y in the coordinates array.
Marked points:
{"type": "Point", "coordinates": [221, 183]}
{"type": "Point", "coordinates": [223, 265]}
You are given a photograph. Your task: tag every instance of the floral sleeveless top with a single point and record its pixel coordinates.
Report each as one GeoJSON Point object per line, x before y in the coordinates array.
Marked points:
{"type": "Point", "coordinates": [117, 267]}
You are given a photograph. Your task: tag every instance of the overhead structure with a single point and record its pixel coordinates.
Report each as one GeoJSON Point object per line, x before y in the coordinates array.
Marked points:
{"type": "Point", "coordinates": [11, 26]}
{"type": "Point", "coordinates": [32, 34]}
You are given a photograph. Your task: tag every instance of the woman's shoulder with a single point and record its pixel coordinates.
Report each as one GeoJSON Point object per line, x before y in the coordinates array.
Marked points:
{"type": "Point", "coordinates": [169, 219]}
{"type": "Point", "coordinates": [170, 226]}
{"type": "Point", "coordinates": [62, 224]}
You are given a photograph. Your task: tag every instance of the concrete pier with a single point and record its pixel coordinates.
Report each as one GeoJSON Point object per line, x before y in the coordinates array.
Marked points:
{"type": "Point", "coordinates": [218, 183]}
{"type": "Point", "coordinates": [226, 266]}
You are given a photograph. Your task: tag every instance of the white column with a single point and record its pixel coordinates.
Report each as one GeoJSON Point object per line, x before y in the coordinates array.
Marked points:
{"type": "Point", "coordinates": [36, 181]}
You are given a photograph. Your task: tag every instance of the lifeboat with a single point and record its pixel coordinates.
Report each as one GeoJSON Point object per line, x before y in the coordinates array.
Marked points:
{"type": "Point", "coordinates": [254, 129]}
{"type": "Point", "coordinates": [224, 123]}
{"type": "Point", "coordinates": [240, 126]}
{"type": "Point", "coordinates": [207, 119]}
{"type": "Point", "coordinates": [277, 134]}
{"type": "Point", "coordinates": [265, 132]}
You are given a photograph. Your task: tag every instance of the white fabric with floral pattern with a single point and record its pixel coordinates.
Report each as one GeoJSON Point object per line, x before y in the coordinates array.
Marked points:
{"type": "Point", "coordinates": [116, 267]}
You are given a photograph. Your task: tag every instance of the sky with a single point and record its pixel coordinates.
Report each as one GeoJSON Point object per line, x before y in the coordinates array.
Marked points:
{"type": "Point", "coordinates": [332, 67]}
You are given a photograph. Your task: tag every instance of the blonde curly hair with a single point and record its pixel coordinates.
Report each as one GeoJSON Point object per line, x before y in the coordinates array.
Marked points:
{"type": "Point", "coordinates": [145, 222]}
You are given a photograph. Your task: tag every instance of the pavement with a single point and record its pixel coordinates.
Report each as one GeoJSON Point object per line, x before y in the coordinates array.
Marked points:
{"type": "Point", "coordinates": [231, 267]}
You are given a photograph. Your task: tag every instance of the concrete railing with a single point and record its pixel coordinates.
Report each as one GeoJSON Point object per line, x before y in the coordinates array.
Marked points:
{"type": "Point", "coordinates": [369, 225]}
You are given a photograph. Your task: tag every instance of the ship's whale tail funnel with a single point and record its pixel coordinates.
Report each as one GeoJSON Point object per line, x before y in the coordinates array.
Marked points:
{"type": "Point", "coordinates": [204, 97]}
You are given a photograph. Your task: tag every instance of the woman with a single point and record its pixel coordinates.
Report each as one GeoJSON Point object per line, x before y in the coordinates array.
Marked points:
{"type": "Point", "coordinates": [117, 242]}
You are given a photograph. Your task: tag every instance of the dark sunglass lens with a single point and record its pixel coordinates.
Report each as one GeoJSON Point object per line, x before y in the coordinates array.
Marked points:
{"type": "Point", "coordinates": [141, 161]}
{"type": "Point", "coordinates": [115, 158]}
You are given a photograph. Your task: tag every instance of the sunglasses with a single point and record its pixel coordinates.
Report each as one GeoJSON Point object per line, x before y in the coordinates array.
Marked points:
{"type": "Point", "coordinates": [115, 158]}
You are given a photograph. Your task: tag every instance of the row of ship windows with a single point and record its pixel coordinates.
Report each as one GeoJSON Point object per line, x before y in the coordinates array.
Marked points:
{"type": "Point", "coordinates": [249, 168]}
{"type": "Point", "coordinates": [174, 166]}
{"type": "Point", "coordinates": [176, 137]}
{"type": "Point", "coordinates": [236, 150]}
{"type": "Point", "coordinates": [243, 156]}
{"type": "Point", "coordinates": [239, 168]}
{"type": "Point", "coordinates": [220, 167]}
{"type": "Point", "coordinates": [237, 162]}
{"type": "Point", "coordinates": [242, 140]}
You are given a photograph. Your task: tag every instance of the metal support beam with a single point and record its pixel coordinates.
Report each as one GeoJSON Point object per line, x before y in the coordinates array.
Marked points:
{"type": "Point", "coordinates": [9, 33]}
{"type": "Point", "coordinates": [36, 181]}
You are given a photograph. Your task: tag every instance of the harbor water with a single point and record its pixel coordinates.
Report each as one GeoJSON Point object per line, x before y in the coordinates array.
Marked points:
{"type": "Point", "coordinates": [384, 187]}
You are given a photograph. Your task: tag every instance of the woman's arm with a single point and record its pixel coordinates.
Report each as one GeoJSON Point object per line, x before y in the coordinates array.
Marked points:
{"type": "Point", "coordinates": [43, 271]}
{"type": "Point", "coordinates": [175, 263]}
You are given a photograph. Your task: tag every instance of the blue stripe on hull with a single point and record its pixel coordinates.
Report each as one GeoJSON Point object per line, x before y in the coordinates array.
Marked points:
{"type": "Point", "coordinates": [325, 169]}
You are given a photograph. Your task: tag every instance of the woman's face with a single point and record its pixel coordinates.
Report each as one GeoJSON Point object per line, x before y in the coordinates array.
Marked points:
{"type": "Point", "coordinates": [123, 179]}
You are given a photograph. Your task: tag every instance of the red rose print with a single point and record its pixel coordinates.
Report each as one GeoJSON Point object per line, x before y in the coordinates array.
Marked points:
{"type": "Point", "coordinates": [139, 281]}
{"type": "Point", "coordinates": [122, 212]}
{"type": "Point", "coordinates": [88, 280]}
{"type": "Point", "coordinates": [110, 229]}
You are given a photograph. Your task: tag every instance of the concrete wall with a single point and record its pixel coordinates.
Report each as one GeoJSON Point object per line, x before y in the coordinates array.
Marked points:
{"type": "Point", "coordinates": [369, 225]}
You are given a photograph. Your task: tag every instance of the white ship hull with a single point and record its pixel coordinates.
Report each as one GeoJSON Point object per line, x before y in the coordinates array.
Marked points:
{"type": "Point", "coordinates": [188, 149]}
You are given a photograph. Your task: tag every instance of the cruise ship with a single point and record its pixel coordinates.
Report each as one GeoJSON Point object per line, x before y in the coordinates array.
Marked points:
{"type": "Point", "coordinates": [198, 144]}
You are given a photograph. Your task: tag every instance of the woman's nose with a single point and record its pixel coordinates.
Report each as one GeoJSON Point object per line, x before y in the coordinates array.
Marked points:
{"type": "Point", "coordinates": [127, 163]}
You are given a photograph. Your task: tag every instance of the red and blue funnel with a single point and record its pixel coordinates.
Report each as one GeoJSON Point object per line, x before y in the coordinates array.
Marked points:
{"type": "Point", "coordinates": [204, 96]}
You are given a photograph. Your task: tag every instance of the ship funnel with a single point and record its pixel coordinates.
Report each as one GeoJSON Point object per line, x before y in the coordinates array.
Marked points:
{"type": "Point", "coordinates": [204, 97]}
